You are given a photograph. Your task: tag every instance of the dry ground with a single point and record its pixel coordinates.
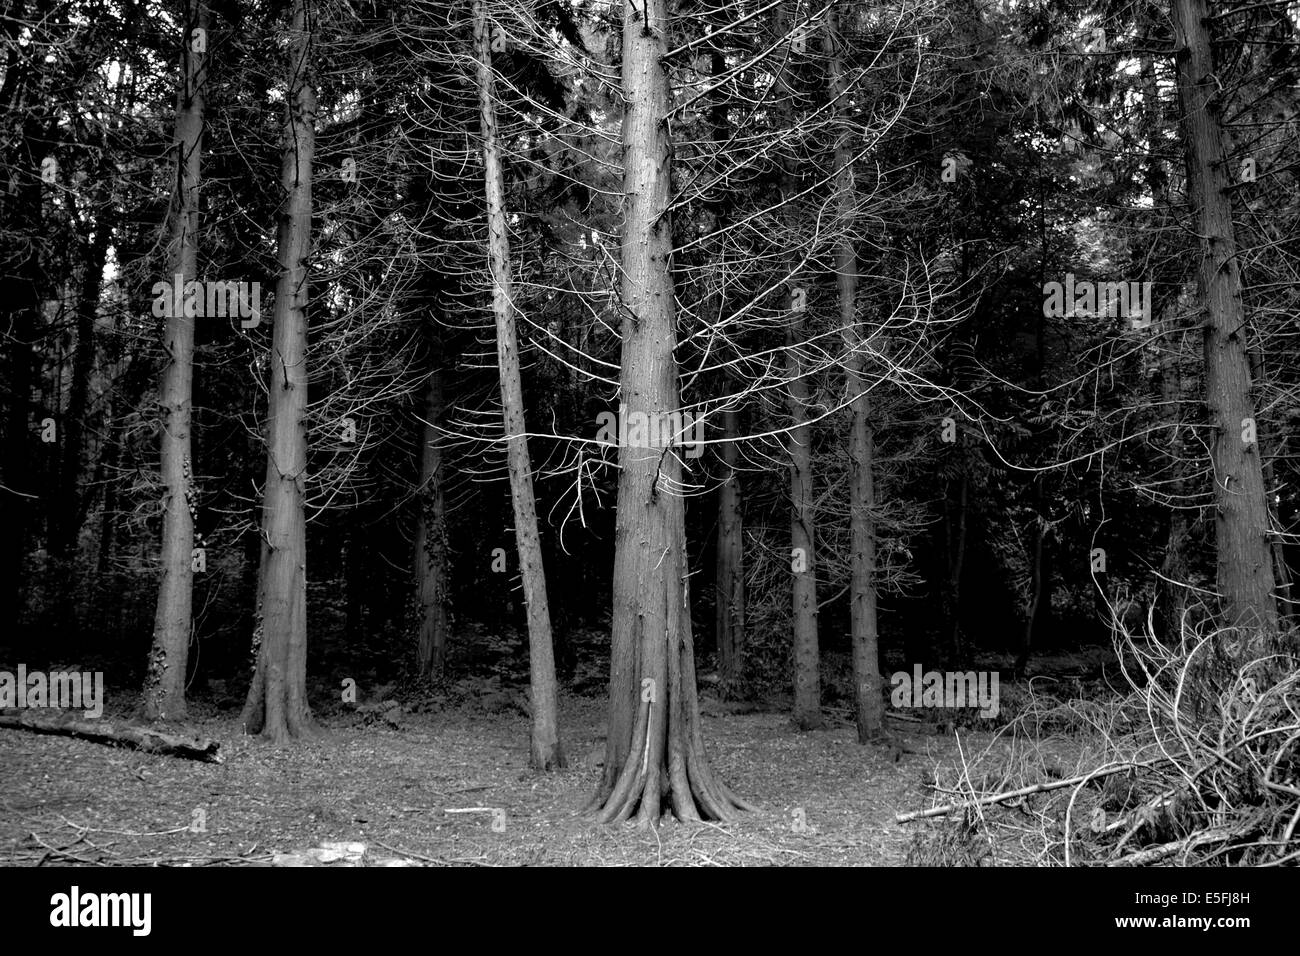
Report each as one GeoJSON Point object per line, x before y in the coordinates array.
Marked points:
{"type": "Point", "coordinates": [68, 801]}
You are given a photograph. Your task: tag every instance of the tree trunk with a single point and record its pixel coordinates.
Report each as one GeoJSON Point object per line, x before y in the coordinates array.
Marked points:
{"type": "Point", "coordinates": [277, 699]}
{"type": "Point", "coordinates": [1266, 445]}
{"type": "Point", "coordinates": [1171, 588]}
{"type": "Point", "coordinates": [546, 751]}
{"type": "Point", "coordinates": [729, 567]}
{"type": "Point", "coordinates": [164, 687]}
{"type": "Point", "coordinates": [68, 510]}
{"type": "Point", "coordinates": [654, 755]}
{"type": "Point", "coordinates": [730, 576]}
{"type": "Point", "coordinates": [1172, 595]}
{"type": "Point", "coordinates": [1040, 598]}
{"type": "Point", "coordinates": [431, 528]}
{"type": "Point", "coordinates": [869, 701]}
{"type": "Point", "coordinates": [1041, 589]}
{"type": "Point", "coordinates": [111, 454]}
{"type": "Point", "coordinates": [356, 564]}
{"type": "Point", "coordinates": [22, 287]}
{"type": "Point", "coordinates": [1245, 562]}
{"type": "Point", "coordinates": [803, 524]}
{"type": "Point", "coordinates": [803, 552]}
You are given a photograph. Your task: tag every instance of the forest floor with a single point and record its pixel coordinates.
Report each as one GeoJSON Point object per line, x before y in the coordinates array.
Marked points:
{"type": "Point", "coordinates": [391, 779]}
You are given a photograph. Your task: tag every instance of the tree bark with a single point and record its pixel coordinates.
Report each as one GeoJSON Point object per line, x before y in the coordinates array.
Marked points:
{"type": "Point", "coordinates": [807, 713]}
{"type": "Point", "coordinates": [1266, 445]}
{"type": "Point", "coordinates": [164, 687]}
{"type": "Point", "coordinates": [1171, 589]}
{"type": "Point", "coordinates": [730, 569]}
{"type": "Point", "coordinates": [110, 455]}
{"type": "Point", "coordinates": [654, 756]}
{"type": "Point", "coordinates": [803, 549]}
{"type": "Point", "coordinates": [546, 751]}
{"type": "Point", "coordinates": [1245, 563]}
{"type": "Point", "coordinates": [277, 699]}
{"type": "Point", "coordinates": [869, 701]}
{"type": "Point", "coordinates": [431, 528]}
{"type": "Point", "coordinates": [1173, 584]}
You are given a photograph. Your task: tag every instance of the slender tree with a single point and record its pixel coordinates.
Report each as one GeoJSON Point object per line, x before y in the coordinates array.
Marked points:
{"type": "Point", "coordinates": [431, 524]}
{"type": "Point", "coordinates": [803, 528]}
{"type": "Point", "coordinates": [546, 751]}
{"type": "Point", "coordinates": [730, 569]}
{"type": "Point", "coordinates": [164, 689]}
{"type": "Point", "coordinates": [803, 509]}
{"type": "Point", "coordinates": [277, 698]}
{"type": "Point", "coordinates": [869, 703]}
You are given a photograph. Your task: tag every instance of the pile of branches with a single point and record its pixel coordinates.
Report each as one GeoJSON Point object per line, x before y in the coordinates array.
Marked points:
{"type": "Point", "coordinates": [1195, 762]}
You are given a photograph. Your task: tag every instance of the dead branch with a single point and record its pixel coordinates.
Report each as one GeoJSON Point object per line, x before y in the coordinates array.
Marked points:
{"type": "Point", "coordinates": [1153, 854]}
{"type": "Point", "coordinates": [1022, 792]}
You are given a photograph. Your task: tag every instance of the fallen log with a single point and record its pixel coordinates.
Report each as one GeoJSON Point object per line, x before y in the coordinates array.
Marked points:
{"type": "Point", "coordinates": [60, 723]}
